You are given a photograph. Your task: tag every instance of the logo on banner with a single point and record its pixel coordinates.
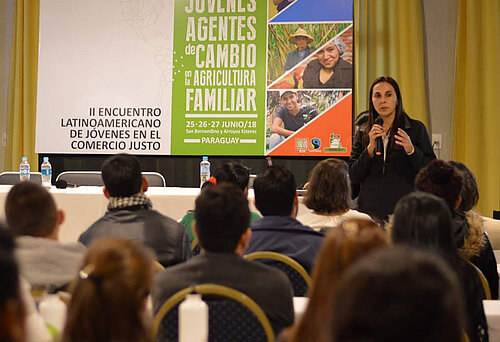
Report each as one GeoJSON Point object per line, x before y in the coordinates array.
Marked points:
{"type": "Point", "coordinates": [315, 143]}
{"type": "Point", "coordinates": [335, 144]}
{"type": "Point", "coordinates": [301, 144]}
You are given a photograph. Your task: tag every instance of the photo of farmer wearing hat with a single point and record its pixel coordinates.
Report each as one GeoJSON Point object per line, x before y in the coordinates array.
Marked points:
{"type": "Point", "coordinates": [290, 117]}
{"type": "Point", "coordinates": [302, 40]}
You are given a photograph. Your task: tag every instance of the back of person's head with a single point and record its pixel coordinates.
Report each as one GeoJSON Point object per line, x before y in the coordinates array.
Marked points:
{"type": "Point", "coordinates": [469, 194]}
{"type": "Point", "coordinates": [441, 179]}
{"type": "Point", "coordinates": [398, 294]}
{"type": "Point", "coordinates": [108, 297]}
{"type": "Point", "coordinates": [122, 175]}
{"type": "Point", "coordinates": [275, 191]}
{"type": "Point", "coordinates": [423, 220]}
{"type": "Point", "coordinates": [11, 307]}
{"type": "Point", "coordinates": [329, 189]}
{"type": "Point", "coordinates": [344, 245]}
{"type": "Point", "coordinates": [233, 173]}
{"type": "Point", "coordinates": [222, 217]}
{"type": "Point", "coordinates": [30, 210]}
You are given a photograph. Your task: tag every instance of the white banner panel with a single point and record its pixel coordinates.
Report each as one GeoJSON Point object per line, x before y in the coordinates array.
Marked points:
{"type": "Point", "coordinates": [104, 76]}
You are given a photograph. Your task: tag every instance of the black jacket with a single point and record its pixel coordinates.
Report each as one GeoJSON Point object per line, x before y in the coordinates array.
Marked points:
{"type": "Point", "coordinates": [166, 237]}
{"type": "Point", "coordinates": [381, 183]}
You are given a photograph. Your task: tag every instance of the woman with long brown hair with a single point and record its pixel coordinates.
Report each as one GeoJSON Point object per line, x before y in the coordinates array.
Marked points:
{"type": "Point", "coordinates": [387, 173]}
{"type": "Point", "coordinates": [109, 296]}
{"type": "Point", "coordinates": [344, 245]}
{"type": "Point", "coordinates": [328, 196]}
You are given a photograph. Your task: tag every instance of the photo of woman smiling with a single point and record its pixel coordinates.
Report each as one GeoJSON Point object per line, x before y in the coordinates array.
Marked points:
{"type": "Point", "coordinates": [329, 70]}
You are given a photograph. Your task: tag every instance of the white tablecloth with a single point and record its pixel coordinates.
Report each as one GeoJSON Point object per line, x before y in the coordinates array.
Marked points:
{"type": "Point", "coordinates": [84, 205]}
{"type": "Point", "coordinates": [492, 312]}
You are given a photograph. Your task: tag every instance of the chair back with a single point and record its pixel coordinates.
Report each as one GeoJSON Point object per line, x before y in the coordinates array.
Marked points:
{"type": "Point", "coordinates": [233, 316]}
{"type": "Point", "coordinates": [81, 178]}
{"type": "Point", "coordinates": [12, 178]}
{"type": "Point", "coordinates": [297, 275]}
{"type": "Point", "coordinates": [155, 179]}
{"type": "Point", "coordinates": [484, 281]}
{"type": "Point", "coordinates": [93, 178]}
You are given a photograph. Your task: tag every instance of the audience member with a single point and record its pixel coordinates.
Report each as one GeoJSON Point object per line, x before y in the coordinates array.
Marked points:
{"type": "Point", "coordinates": [34, 220]}
{"type": "Point", "coordinates": [12, 312]}
{"type": "Point", "coordinates": [278, 231]}
{"type": "Point", "coordinates": [231, 172]}
{"type": "Point", "coordinates": [424, 221]}
{"type": "Point", "coordinates": [470, 196]}
{"type": "Point", "coordinates": [398, 294]}
{"type": "Point", "coordinates": [445, 181]}
{"type": "Point", "coordinates": [109, 296]}
{"type": "Point", "coordinates": [350, 241]}
{"type": "Point", "coordinates": [328, 196]}
{"type": "Point", "coordinates": [130, 214]}
{"type": "Point", "coordinates": [222, 226]}
{"type": "Point", "coordinates": [35, 329]}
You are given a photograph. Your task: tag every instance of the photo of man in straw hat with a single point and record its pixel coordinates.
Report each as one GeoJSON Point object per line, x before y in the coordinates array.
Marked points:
{"type": "Point", "coordinates": [302, 40]}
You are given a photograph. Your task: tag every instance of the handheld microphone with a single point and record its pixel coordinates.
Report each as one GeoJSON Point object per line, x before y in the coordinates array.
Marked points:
{"type": "Point", "coordinates": [379, 145]}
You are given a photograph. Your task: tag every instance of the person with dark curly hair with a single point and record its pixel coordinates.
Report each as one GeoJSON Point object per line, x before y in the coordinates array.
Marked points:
{"type": "Point", "coordinates": [470, 196]}
{"type": "Point", "coordinates": [445, 181]}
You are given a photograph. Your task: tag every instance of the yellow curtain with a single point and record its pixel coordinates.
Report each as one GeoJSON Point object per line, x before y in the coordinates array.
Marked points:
{"type": "Point", "coordinates": [476, 111]}
{"type": "Point", "coordinates": [389, 41]}
{"type": "Point", "coordinates": [21, 107]}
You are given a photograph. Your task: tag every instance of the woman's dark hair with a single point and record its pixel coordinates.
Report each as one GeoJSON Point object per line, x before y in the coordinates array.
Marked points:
{"type": "Point", "coordinates": [12, 311]}
{"type": "Point", "coordinates": [398, 294]}
{"type": "Point", "coordinates": [469, 194]}
{"type": "Point", "coordinates": [373, 114]}
{"type": "Point", "coordinates": [442, 180]}
{"type": "Point", "coordinates": [343, 246]}
{"type": "Point", "coordinates": [329, 189]}
{"type": "Point", "coordinates": [423, 220]}
{"type": "Point", "coordinates": [108, 297]}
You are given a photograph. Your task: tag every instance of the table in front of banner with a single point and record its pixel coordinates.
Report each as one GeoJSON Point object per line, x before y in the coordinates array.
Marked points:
{"type": "Point", "coordinates": [84, 205]}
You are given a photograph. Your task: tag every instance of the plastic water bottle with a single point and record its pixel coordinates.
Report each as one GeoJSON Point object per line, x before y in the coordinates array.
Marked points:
{"type": "Point", "coordinates": [204, 170]}
{"type": "Point", "coordinates": [46, 173]}
{"type": "Point", "coordinates": [193, 319]}
{"type": "Point", "coordinates": [24, 170]}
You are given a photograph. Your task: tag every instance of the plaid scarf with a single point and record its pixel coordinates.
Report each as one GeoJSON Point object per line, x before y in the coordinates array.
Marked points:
{"type": "Point", "coordinates": [137, 200]}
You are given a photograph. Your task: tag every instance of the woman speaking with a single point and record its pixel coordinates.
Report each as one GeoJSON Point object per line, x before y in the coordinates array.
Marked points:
{"type": "Point", "coordinates": [388, 151]}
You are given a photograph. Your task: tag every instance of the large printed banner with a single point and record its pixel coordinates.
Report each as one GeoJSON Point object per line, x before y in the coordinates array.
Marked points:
{"type": "Point", "coordinates": [195, 77]}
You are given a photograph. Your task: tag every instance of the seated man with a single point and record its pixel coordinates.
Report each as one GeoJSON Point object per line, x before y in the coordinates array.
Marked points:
{"type": "Point", "coordinates": [231, 172]}
{"type": "Point", "coordinates": [34, 220]}
{"type": "Point", "coordinates": [290, 117]}
{"type": "Point", "coordinates": [222, 218]}
{"type": "Point", "coordinates": [130, 214]}
{"type": "Point", "coordinates": [278, 231]}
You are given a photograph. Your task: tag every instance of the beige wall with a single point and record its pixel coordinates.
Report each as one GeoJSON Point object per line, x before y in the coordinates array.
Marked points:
{"type": "Point", "coordinates": [6, 24]}
{"type": "Point", "coordinates": [440, 25]}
